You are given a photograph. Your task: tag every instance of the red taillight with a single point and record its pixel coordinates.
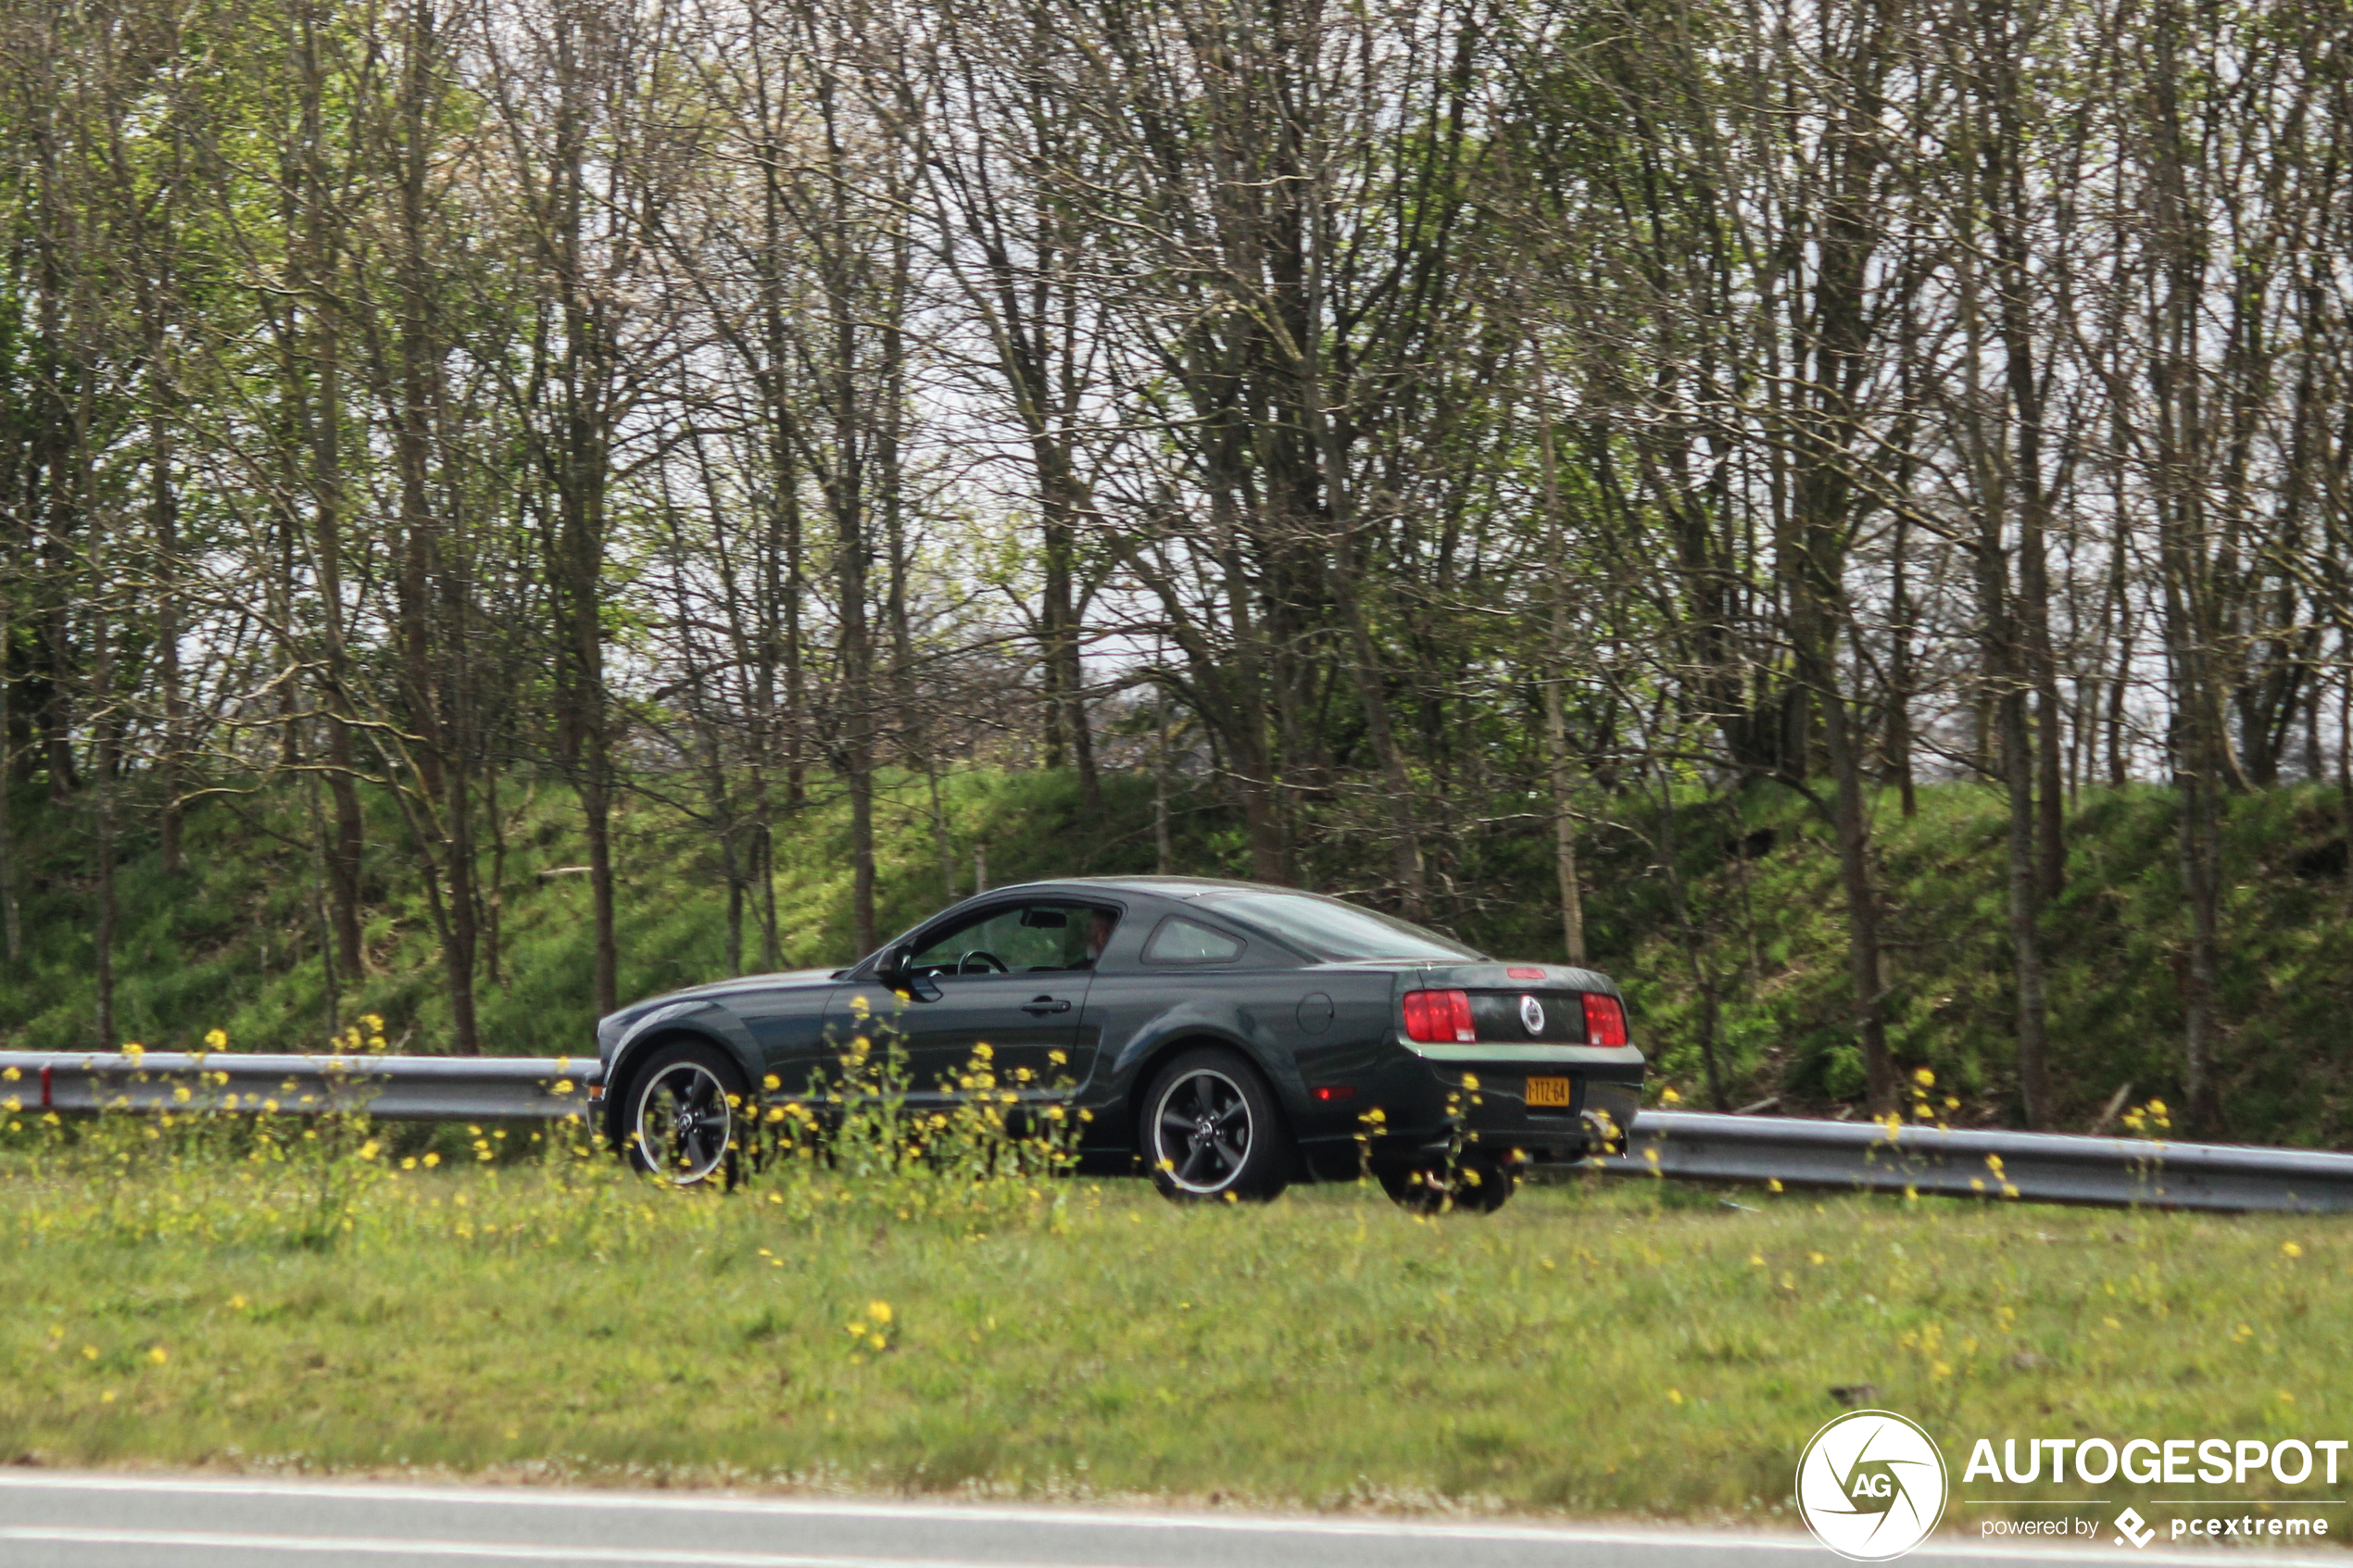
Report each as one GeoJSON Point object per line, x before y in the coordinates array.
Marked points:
{"type": "Point", "coordinates": [1330, 1091]}
{"type": "Point", "coordinates": [1604, 1021]}
{"type": "Point", "coordinates": [1439, 1018]}
{"type": "Point", "coordinates": [1525, 973]}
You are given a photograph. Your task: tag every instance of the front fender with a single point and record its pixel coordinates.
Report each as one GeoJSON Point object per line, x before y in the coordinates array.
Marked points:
{"type": "Point", "coordinates": [702, 1017]}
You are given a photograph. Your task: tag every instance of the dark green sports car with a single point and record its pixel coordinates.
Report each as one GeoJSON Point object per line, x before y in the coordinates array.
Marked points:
{"type": "Point", "coordinates": [1227, 1037]}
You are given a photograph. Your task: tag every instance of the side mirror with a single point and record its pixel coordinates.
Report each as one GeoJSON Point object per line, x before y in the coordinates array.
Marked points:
{"type": "Point", "coordinates": [892, 971]}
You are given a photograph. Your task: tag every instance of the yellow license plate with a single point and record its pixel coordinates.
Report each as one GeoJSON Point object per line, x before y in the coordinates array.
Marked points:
{"type": "Point", "coordinates": [1548, 1091]}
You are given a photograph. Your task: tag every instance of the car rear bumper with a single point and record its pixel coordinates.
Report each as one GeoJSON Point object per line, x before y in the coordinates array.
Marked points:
{"type": "Point", "coordinates": [1477, 1099]}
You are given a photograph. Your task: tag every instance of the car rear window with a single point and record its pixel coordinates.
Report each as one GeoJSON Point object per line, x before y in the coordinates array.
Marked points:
{"type": "Point", "coordinates": [1330, 929]}
{"type": "Point", "coordinates": [1182, 941]}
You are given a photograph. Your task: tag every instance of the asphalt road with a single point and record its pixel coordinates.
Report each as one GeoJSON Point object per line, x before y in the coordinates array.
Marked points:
{"type": "Point", "coordinates": [74, 1521]}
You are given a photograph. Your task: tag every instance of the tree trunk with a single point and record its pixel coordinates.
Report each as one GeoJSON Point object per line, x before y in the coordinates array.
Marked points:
{"type": "Point", "coordinates": [170, 764]}
{"type": "Point", "coordinates": [1898, 738]}
{"type": "Point", "coordinates": [1397, 785]}
{"type": "Point", "coordinates": [1564, 824]}
{"type": "Point", "coordinates": [2025, 909]}
{"type": "Point", "coordinates": [11, 923]}
{"type": "Point", "coordinates": [1249, 757]}
{"type": "Point", "coordinates": [315, 263]}
{"type": "Point", "coordinates": [102, 770]}
{"type": "Point", "coordinates": [465, 933]}
{"type": "Point", "coordinates": [1572, 899]}
{"type": "Point", "coordinates": [1999, 473]}
{"type": "Point", "coordinates": [1161, 858]}
{"type": "Point", "coordinates": [1068, 735]}
{"type": "Point", "coordinates": [585, 451]}
{"type": "Point", "coordinates": [1695, 945]}
{"type": "Point", "coordinates": [2184, 566]}
{"type": "Point", "coordinates": [1852, 822]}
{"type": "Point", "coordinates": [345, 852]}
{"type": "Point", "coordinates": [858, 696]}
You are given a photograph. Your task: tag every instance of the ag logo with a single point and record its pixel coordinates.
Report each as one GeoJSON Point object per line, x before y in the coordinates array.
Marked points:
{"type": "Point", "coordinates": [2134, 1529]}
{"type": "Point", "coordinates": [1871, 1485]}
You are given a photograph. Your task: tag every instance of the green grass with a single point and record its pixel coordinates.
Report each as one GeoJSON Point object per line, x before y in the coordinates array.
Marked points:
{"type": "Point", "coordinates": [1630, 1350]}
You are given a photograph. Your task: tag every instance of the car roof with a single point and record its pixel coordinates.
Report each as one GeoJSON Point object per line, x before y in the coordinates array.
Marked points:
{"type": "Point", "coordinates": [1165, 886]}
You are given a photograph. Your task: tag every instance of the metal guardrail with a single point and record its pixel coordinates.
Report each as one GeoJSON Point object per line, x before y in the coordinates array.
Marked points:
{"type": "Point", "coordinates": [2039, 1167]}
{"type": "Point", "coordinates": [1688, 1146]}
{"type": "Point", "coordinates": [401, 1088]}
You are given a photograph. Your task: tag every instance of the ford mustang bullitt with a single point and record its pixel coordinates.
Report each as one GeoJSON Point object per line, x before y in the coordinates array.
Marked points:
{"type": "Point", "coordinates": [1227, 1038]}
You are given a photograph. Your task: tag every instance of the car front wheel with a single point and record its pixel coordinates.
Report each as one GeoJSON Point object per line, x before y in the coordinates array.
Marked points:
{"type": "Point", "coordinates": [681, 1114]}
{"type": "Point", "coordinates": [1210, 1130]}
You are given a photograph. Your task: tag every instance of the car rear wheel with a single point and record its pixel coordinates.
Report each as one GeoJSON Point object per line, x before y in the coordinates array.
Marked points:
{"type": "Point", "coordinates": [1475, 1186]}
{"type": "Point", "coordinates": [1210, 1130]}
{"type": "Point", "coordinates": [681, 1115]}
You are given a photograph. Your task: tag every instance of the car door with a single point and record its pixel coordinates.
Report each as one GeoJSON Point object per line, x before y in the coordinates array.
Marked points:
{"type": "Point", "coordinates": [1011, 977]}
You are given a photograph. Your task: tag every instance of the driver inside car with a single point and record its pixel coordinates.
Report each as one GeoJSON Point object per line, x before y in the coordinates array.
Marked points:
{"type": "Point", "coordinates": [1025, 938]}
{"type": "Point", "coordinates": [1100, 925]}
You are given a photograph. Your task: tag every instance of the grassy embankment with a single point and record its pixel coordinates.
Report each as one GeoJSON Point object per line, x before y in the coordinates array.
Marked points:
{"type": "Point", "coordinates": [1773, 928]}
{"type": "Point", "coordinates": [235, 941]}
{"type": "Point", "coordinates": [1633, 1351]}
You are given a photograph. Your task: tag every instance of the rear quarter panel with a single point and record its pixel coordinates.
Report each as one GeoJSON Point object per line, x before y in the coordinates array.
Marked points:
{"type": "Point", "coordinates": [1141, 1017]}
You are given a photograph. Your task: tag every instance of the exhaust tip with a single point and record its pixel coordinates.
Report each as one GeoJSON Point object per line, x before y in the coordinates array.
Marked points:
{"type": "Point", "coordinates": [1603, 1134]}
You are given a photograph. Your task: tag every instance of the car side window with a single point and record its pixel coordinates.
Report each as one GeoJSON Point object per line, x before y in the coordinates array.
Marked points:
{"type": "Point", "coordinates": [1017, 939]}
{"type": "Point", "coordinates": [1182, 941]}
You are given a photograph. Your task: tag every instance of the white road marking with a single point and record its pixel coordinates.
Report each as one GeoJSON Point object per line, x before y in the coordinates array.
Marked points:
{"type": "Point", "coordinates": [509, 1551]}
{"type": "Point", "coordinates": [1953, 1545]}
{"type": "Point", "coordinates": [697, 1502]}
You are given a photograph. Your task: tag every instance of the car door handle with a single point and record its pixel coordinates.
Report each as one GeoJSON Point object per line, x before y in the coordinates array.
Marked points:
{"type": "Point", "coordinates": [1045, 1004]}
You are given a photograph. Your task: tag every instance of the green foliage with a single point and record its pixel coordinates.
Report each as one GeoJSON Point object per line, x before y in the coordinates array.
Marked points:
{"type": "Point", "coordinates": [237, 940]}
{"type": "Point", "coordinates": [1774, 925]}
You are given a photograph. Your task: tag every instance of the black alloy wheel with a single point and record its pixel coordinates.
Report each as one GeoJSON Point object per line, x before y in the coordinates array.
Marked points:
{"type": "Point", "coordinates": [1210, 1130]}
{"type": "Point", "coordinates": [681, 1115]}
{"type": "Point", "coordinates": [1476, 1187]}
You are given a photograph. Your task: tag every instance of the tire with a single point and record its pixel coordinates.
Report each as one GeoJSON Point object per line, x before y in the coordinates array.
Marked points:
{"type": "Point", "coordinates": [679, 1119]}
{"type": "Point", "coordinates": [1210, 1130]}
{"type": "Point", "coordinates": [1479, 1186]}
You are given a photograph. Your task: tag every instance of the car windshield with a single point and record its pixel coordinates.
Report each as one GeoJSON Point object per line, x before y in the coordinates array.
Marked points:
{"type": "Point", "coordinates": [1330, 929]}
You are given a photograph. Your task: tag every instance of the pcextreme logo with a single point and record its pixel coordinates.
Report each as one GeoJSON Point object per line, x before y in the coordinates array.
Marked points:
{"type": "Point", "coordinates": [1872, 1486]}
